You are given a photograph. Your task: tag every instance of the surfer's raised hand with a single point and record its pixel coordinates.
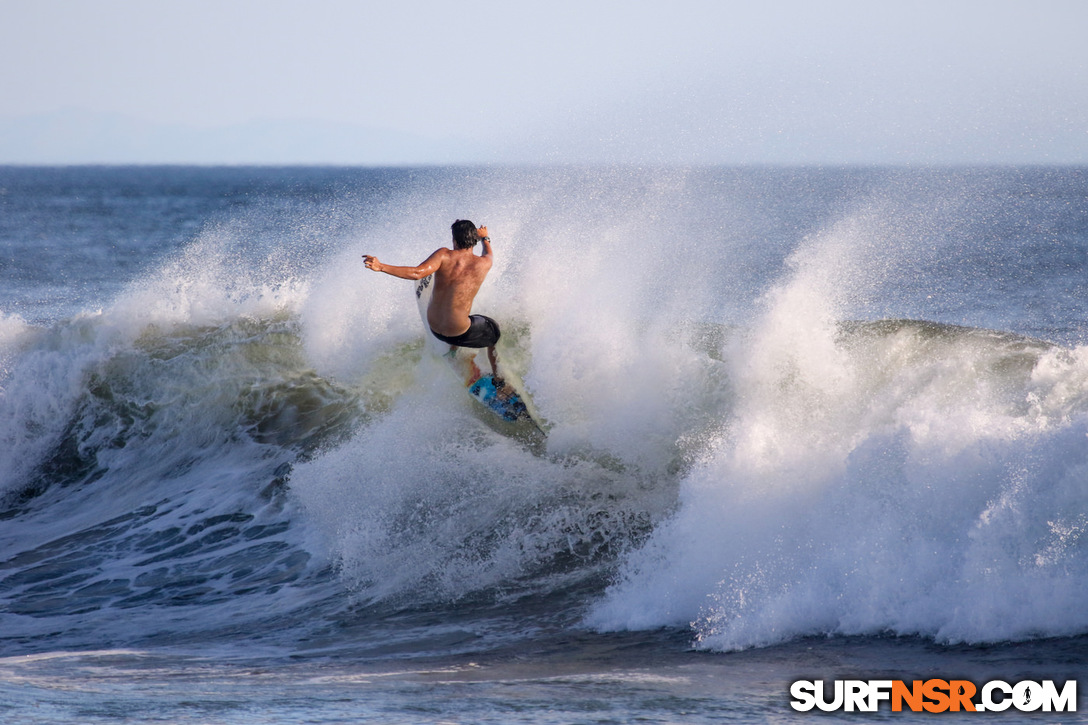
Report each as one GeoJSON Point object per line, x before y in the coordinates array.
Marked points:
{"type": "Point", "coordinates": [485, 241]}
{"type": "Point", "coordinates": [372, 262]}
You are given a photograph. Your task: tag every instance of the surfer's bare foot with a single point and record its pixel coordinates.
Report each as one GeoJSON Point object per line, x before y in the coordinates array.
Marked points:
{"type": "Point", "coordinates": [493, 358]}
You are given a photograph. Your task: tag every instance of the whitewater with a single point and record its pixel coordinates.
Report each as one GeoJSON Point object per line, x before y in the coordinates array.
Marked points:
{"type": "Point", "coordinates": [801, 422]}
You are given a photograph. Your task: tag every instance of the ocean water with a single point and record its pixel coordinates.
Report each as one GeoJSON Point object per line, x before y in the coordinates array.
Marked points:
{"type": "Point", "coordinates": [804, 423]}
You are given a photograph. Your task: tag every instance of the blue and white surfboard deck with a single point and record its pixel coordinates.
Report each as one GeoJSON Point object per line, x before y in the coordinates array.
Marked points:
{"type": "Point", "coordinates": [503, 396]}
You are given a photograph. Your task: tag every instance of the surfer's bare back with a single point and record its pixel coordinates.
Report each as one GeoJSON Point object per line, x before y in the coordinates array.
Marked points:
{"type": "Point", "coordinates": [458, 275]}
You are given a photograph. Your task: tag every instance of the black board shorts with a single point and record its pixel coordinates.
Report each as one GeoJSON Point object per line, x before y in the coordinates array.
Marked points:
{"type": "Point", "coordinates": [482, 332]}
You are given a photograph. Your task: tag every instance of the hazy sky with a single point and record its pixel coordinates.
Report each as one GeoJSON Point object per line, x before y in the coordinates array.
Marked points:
{"type": "Point", "coordinates": [666, 81]}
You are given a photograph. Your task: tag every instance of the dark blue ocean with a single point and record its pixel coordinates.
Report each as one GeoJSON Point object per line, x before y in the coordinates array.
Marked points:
{"type": "Point", "coordinates": [812, 423]}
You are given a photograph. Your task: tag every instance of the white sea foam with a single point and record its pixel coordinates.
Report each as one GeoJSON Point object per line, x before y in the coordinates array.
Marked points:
{"type": "Point", "coordinates": [48, 371]}
{"type": "Point", "coordinates": [909, 479]}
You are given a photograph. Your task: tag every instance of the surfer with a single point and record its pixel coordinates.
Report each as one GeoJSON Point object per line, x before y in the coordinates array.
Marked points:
{"type": "Point", "coordinates": [458, 275]}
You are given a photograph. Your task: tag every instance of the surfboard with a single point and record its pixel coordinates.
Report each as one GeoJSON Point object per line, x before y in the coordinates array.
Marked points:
{"type": "Point", "coordinates": [504, 396]}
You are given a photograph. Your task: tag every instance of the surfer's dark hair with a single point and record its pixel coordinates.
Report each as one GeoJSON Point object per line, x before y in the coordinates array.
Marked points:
{"type": "Point", "coordinates": [464, 234]}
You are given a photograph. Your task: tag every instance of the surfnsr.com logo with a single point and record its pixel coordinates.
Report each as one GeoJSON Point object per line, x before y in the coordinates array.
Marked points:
{"type": "Point", "coordinates": [934, 696]}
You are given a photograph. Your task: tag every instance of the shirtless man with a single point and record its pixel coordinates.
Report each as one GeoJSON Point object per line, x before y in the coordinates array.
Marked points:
{"type": "Point", "coordinates": [458, 275]}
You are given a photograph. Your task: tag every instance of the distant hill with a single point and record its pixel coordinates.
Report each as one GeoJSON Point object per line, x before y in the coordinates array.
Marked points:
{"type": "Point", "coordinates": [82, 137]}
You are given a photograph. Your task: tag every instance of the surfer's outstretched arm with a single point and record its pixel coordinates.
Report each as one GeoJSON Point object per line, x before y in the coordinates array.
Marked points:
{"type": "Point", "coordinates": [428, 267]}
